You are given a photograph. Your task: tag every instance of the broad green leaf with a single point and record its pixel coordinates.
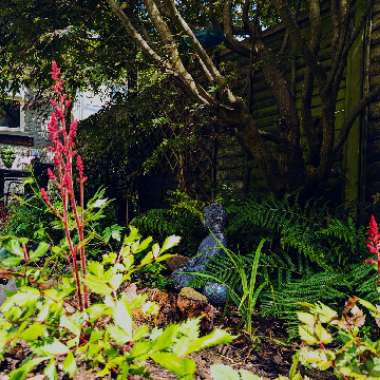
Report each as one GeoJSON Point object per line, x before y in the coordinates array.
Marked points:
{"type": "Point", "coordinates": [155, 251]}
{"type": "Point", "coordinates": [169, 243]}
{"type": "Point", "coordinates": [97, 286]}
{"type": "Point", "coordinates": [142, 246]}
{"type": "Point", "coordinates": [307, 335]}
{"type": "Point", "coordinates": [246, 375]}
{"type": "Point", "coordinates": [118, 334]}
{"type": "Point", "coordinates": [116, 281]}
{"type": "Point", "coordinates": [69, 365]}
{"type": "Point", "coordinates": [184, 368]}
{"type": "Point", "coordinates": [95, 268]}
{"type": "Point", "coordinates": [33, 332]}
{"type": "Point", "coordinates": [368, 305]}
{"type": "Point", "coordinates": [97, 310]}
{"type": "Point", "coordinates": [72, 323]}
{"type": "Point", "coordinates": [133, 235]}
{"type": "Point", "coordinates": [216, 337]}
{"type": "Point", "coordinates": [322, 334]}
{"type": "Point", "coordinates": [163, 339]}
{"type": "Point", "coordinates": [317, 358]}
{"type": "Point", "coordinates": [99, 203]}
{"type": "Point", "coordinates": [123, 318]}
{"type": "Point", "coordinates": [190, 332]}
{"type": "Point", "coordinates": [39, 252]}
{"type": "Point", "coordinates": [24, 296]}
{"type": "Point", "coordinates": [27, 366]}
{"type": "Point", "coordinates": [306, 318]}
{"type": "Point", "coordinates": [14, 247]}
{"type": "Point", "coordinates": [55, 348]}
{"type": "Point", "coordinates": [141, 350]}
{"type": "Point", "coordinates": [11, 261]}
{"type": "Point", "coordinates": [223, 372]}
{"type": "Point", "coordinates": [326, 314]}
{"type": "Point", "coordinates": [51, 371]}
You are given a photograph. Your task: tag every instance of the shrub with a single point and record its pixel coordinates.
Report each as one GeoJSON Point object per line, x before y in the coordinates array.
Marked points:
{"type": "Point", "coordinates": [57, 334]}
{"type": "Point", "coordinates": [52, 320]}
{"type": "Point", "coordinates": [183, 218]}
{"type": "Point", "coordinates": [342, 344]}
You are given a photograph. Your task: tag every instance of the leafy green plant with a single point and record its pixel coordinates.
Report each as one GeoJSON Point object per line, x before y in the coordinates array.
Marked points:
{"type": "Point", "coordinates": [342, 344]}
{"type": "Point", "coordinates": [105, 336]}
{"type": "Point", "coordinates": [52, 321]}
{"type": "Point", "coordinates": [307, 232]}
{"type": "Point", "coordinates": [224, 372]}
{"type": "Point", "coordinates": [8, 156]}
{"type": "Point", "coordinates": [182, 218]}
{"type": "Point", "coordinates": [331, 287]}
{"type": "Point", "coordinates": [242, 280]}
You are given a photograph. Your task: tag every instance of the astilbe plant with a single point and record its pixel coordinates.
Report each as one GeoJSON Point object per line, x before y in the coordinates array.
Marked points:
{"type": "Point", "coordinates": [62, 134]}
{"type": "Point", "coordinates": [373, 244]}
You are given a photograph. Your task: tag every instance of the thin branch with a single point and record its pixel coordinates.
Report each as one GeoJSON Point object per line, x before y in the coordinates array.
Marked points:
{"type": "Point", "coordinates": [205, 60]}
{"type": "Point", "coordinates": [340, 41]}
{"type": "Point", "coordinates": [132, 31]}
{"type": "Point", "coordinates": [236, 45]}
{"type": "Point", "coordinates": [246, 23]}
{"type": "Point", "coordinates": [311, 59]}
{"type": "Point", "coordinates": [335, 25]}
{"type": "Point", "coordinates": [167, 38]}
{"type": "Point", "coordinates": [198, 46]}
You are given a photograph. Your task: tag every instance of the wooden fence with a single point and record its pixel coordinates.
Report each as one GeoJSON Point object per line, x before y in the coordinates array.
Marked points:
{"type": "Point", "coordinates": [360, 162]}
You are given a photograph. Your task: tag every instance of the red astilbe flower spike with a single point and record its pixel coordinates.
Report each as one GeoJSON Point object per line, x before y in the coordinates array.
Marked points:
{"type": "Point", "coordinates": [373, 235]}
{"type": "Point", "coordinates": [55, 71]}
{"type": "Point", "coordinates": [51, 175]}
{"type": "Point", "coordinates": [45, 196]}
{"type": "Point", "coordinates": [80, 166]}
{"type": "Point", "coordinates": [62, 137]}
{"type": "Point", "coordinates": [373, 243]}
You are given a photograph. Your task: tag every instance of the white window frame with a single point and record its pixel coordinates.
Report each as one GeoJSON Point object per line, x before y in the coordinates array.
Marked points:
{"type": "Point", "coordinates": [21, 127]}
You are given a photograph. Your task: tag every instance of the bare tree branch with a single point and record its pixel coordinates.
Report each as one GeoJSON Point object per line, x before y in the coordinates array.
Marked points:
{"type": "Point", "coordinates": [340, 41]}
{"type": "Point", "coordinates": [132, 31]}
{"type": "Point", "coordinates": [216, 75]}
{"type": "Point", "coordinates": [169, 43]}
{"type": "Point", "coordinates": [236, 45]}
{"type": "Point", "coordinates": [311, 59]}
{"type": "Point", "coordinates": [205, 59]}
{"type": "Point", "coordinates": [246, 23]}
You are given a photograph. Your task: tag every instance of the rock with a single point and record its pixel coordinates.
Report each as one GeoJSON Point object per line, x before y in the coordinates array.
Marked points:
{"type": "Point", "coordinates": [176, 261]}
{"type": "Point", "coordinates": [192, 304]}
{"type": "Point", "coordinates": [192, 295]}
{"type": "Point", "coordinates": [167, 305]}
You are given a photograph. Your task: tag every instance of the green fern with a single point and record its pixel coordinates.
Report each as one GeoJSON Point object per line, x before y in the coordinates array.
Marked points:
{"type": "Point", "coordinates": [306, 230]}
{"type": "Point", "coordinates": [329, 287]}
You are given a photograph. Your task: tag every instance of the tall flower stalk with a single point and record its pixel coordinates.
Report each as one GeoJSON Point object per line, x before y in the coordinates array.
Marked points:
{"type": "Point", "coordinates": [62, 134]}
{"type": "Point", "coordinates": [373, 244]}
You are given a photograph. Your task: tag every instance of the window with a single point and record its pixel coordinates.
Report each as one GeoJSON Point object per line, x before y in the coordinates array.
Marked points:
{"type": "Point", "coordinates": [10, 114]}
